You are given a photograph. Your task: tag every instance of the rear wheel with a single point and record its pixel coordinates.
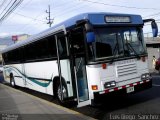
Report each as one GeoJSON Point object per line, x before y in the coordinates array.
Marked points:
{"type": "Point", "coordinates": [12, 82]}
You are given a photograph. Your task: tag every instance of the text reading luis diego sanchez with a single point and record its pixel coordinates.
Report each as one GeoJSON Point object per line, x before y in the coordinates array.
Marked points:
{"type": "Point", "coordinates": [134, 116]}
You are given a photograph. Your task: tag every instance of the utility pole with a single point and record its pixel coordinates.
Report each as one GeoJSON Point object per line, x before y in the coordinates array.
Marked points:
{"type": "Point", "coordinates": [50, 21]}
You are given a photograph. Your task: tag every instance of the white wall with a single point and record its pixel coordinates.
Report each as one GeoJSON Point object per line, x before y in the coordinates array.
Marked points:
{"type": "Point", "coordinates": [152, 52]}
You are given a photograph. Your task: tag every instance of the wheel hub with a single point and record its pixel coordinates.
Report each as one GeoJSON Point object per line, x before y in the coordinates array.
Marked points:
{"type": "Point", "coordinates": [61, 94]}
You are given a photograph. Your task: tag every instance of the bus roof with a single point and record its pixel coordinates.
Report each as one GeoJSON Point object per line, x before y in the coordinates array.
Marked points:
{"type": "Point", "coordinates": [94, 18]}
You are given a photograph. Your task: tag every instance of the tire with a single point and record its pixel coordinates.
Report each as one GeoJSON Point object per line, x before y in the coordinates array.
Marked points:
{"type": "Point", "coordinates": [12, 82]}
{"type": "Point", "coordinates": [61, 96]}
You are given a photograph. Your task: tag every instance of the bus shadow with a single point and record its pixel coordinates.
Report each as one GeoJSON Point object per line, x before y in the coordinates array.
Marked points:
{"type": "Point", "coordinates": [43, 96]}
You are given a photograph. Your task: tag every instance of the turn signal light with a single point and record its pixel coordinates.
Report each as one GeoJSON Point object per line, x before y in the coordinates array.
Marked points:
{"type": "Point", "coordinates": [94, 87]}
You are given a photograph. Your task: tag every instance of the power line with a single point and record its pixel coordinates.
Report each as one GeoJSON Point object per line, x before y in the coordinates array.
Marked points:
{"type": "Point", "coordinates": [70, 10]}
{"type": "Point", "coordinates": [32, 20]}
{"type": "Point", "coordinates": [25, 4]}
{"type": "Point", "coordinates": [6, 7]}
{"type": "Point", "coordinates": [4, 1]}
{"type": "Point", "coordinates": [28, 17]}
{"type": "Point", "coordinates": [152, 15]}
{"type": "Point", "coordinates": [13, 6]}
{"type": "Point", "coordinates": [35, 19]}
{"type": "Point", "coordinates": [119, 5]}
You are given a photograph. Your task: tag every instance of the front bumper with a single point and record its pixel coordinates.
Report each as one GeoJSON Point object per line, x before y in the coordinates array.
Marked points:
{"type": "Point", "coordinates": [118, 91]}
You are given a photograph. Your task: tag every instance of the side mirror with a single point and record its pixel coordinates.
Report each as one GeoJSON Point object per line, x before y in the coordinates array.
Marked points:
{"type": "Point", "coordinates": [154, 28]}
{"type": "Point", "coordinates": [153, 25]}
{"type": "Point", "coordinates": [90, 36]}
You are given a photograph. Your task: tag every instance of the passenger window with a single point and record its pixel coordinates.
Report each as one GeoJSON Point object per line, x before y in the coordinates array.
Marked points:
{"type": "Point", "coordinates": [62, 45]}
{"type": "Point", "coordinates": [52, 50]}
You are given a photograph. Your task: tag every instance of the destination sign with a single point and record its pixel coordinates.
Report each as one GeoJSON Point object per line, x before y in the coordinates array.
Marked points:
{"type": "Point", "coordinates": [117, 19]}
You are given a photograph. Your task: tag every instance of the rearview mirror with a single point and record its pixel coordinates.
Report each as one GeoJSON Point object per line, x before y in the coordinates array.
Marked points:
{"type": "Point", "coordinates": [153, 25]}
{"type": "Point", "coordinates": [154, 28]}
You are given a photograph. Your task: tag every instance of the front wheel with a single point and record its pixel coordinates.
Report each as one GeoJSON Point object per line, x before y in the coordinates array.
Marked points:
{"type": "Point", "coordinates": [61, 94]}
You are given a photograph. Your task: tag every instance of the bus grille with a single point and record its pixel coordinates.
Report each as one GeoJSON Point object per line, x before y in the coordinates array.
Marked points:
{"type": "Point", "coordinates": [128, 69]}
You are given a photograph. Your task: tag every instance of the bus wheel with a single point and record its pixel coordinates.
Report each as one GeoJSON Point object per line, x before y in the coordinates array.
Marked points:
{"type": "Point", "coordinates": [12, 82]}
{"type": "Point", "coordinates": [61, 95]}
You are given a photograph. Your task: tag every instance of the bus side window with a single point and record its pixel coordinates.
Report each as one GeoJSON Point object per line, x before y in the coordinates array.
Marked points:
{"type": "Point", "coordinates": [62, 46]}
{"type": "Point", "coordinates": [52, 50]}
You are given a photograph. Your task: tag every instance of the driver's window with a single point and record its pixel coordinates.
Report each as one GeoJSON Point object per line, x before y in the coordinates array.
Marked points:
{"type": "Point", "coordinates": [77, 41]}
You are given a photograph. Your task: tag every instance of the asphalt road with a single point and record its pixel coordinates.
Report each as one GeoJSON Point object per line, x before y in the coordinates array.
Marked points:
{"type": "Point", "coordinates": [134, 105]}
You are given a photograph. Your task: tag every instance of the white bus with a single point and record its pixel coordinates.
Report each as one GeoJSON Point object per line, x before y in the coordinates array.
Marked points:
{"type": "Point", "coordinates": [83, 58]}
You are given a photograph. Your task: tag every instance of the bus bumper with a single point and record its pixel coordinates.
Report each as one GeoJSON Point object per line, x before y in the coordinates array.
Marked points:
{"type": "Point", "coordinates": [119, 91]}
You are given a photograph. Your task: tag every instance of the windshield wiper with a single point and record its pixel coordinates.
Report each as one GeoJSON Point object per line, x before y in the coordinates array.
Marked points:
{"type": "Point", "coordinates": [129, 46]}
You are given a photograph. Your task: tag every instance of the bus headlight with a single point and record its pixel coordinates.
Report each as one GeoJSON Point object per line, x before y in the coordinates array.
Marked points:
{"type": "Point", "coordinates": [145, 76]}
{"type": "Point", "coordinates": [109, 84]}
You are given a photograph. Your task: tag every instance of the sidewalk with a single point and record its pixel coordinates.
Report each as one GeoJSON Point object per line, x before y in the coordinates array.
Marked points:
{"type": "Point", "coordinates": [17, 105]}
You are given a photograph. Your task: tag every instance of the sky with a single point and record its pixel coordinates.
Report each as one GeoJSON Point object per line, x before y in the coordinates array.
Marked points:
{"type": "Point", "coordinates": [30, 16]}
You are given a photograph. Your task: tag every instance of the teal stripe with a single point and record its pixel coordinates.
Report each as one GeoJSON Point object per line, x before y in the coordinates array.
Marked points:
{"type": "Point", "coordinates": [28, 78]}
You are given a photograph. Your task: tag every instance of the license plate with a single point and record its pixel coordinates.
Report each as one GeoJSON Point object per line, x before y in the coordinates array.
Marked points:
{"type": "Point", "coordinates": [130, 89]}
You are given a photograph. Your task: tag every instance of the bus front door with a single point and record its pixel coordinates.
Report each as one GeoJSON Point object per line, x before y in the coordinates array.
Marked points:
{"type": "Point", "coordinates": [81, 82]}
{"type": "Point", "coordinates": [78, 53]}
{"type": "Point", "coordinates": [73, 70]}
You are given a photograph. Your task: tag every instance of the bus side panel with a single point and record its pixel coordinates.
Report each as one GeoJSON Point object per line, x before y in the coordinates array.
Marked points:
{"type": "Point", "coordinates": [39, 76]}
{"type": "Point", "coordinates": [17, 71]}
{"type": "Point", "coordinates": [66, 74]}
{"type": "Point", "coordinates": [93, 76]}
{"type": "Point", "coordinates": [6, 73]}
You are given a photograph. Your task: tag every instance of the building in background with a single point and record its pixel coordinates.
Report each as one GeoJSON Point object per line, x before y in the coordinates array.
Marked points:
{"type": "Point", "coordinates": [9, 40]}
{"type": "Point", "coordinates": [153, 48]}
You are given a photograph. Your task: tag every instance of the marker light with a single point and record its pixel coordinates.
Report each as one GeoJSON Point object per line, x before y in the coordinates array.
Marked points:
{"type": "Point", "coordinates": [94, 87]}
{"type": "Point", "coordinates": [104, 65]}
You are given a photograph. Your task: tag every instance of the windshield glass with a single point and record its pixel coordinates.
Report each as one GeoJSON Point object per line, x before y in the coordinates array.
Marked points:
{"type": "Point", "coordinates": [117, 42]}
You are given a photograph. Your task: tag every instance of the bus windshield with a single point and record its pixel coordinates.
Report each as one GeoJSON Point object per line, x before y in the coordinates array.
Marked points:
{"type": "Point", "coordinates": [118, 42]}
